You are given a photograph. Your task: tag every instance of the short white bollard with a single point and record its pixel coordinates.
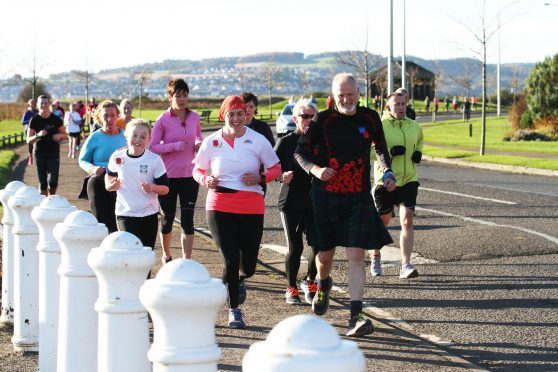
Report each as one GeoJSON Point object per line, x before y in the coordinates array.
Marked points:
{"type": "Point", "coordinates": [122, 264]}
{"type": "Point", "coordinates": [183, 301]}
{"type": "Point", "coordinates": [52, 210]}
{"type": "Point", "coordinates": [26, 270]}
{"type": "Point", "coordinates": [77, 321]}
{"type": "Point", "coordinates": [7, 315]}
{"type": "Point", "coordinates": [303, 343]}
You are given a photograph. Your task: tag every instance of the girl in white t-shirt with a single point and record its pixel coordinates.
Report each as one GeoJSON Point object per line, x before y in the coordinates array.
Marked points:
{"type": "Point", "coordinates": [138, 176]}
{"type": "Point", "coordinates": [72, 121]}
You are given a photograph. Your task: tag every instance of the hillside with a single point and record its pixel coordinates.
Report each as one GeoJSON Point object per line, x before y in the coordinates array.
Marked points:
{"type": "Point", "coordinates": [218, 77]}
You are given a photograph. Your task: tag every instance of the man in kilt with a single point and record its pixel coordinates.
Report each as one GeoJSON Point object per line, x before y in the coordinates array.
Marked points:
{"type": "Point", "coordinates": [336, 151]}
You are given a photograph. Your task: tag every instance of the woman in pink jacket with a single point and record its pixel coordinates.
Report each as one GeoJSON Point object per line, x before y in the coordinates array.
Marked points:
{"type": "Point", "coordinates": [176, 138]}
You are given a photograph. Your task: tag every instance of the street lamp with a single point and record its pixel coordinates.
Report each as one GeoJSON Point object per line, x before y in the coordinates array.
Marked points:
{"type": "Point", "coordinates": [390, 57]}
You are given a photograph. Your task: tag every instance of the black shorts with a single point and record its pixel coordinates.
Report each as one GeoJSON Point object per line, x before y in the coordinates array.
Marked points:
{"type": "Point", "coordinates": [406, 195]}
{"type": "Point", "coordinates": [74, 134]}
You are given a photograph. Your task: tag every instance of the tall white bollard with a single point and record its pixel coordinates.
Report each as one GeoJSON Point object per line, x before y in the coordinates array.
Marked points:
{"type": "Point", "coordinates": [52, 210]}
{"type": "Point", "coordinates": [7, 315]}
{"type": "Point", "coordinates": [26, 270]}
{"type": "Point", "coordinates": [77, 321]}
{"type": "Point", "coordinates": [303, 343]}
{"type": "Point", "coordinates": [122, 264]}
{"type": "Point", "coordinates": [183, 301]}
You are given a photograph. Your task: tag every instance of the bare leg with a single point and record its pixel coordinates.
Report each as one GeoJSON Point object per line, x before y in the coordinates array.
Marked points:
{"type": "Point", "coordinates": [407, 234]}
{"type": "Point", "coordinates": [386, 219]}
{"type": "Point", "coordinates": [165, 243]}
{"type": "Point", "coordinates": [357, 273]}
{"type": "Point", "coordinates": [324, 261]}
{"type": "Point", "coordinates": [187, 245]}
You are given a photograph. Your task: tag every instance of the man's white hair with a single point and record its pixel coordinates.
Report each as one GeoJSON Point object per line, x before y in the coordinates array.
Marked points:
{"type": "Point", "coordinates": [341, 78]}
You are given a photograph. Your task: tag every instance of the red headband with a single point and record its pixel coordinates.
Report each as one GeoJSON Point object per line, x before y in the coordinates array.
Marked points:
{"type": "Point", "coordinates": [231, 103]}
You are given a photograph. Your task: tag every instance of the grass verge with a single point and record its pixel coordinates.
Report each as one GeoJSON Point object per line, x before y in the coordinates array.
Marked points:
{"type": "Point", "coordinates": [7, 157]}
{"type": "Point", "coordinates": [456, 133]}
{"type": "Point", "coordinates": [519, 161]}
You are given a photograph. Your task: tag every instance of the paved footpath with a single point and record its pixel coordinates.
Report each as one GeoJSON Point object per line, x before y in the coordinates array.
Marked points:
{"type": "Point", "coordinates": [387, 349]}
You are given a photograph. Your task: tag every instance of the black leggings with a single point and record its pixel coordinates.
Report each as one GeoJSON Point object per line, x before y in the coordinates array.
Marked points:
{"type": "Point", "coordinates": [48, 166]}
{"type": "Point", "coordinates": [187, 190]}
{"type": "Point", "coordinates": [102, 202]}
{"type": "Point", "coordinates": [238, 237]}
{"type": "Point", "coordinates": [293, 226]}
{"type": "Point", "coordinates": [145, 228]}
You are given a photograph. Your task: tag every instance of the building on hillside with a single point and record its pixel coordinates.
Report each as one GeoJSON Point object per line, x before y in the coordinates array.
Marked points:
{"type": "Point", "coordinates": [421, 80]}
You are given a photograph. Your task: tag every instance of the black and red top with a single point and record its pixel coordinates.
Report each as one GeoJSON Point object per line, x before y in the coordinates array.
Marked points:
{"type": "Point", "coordinates": [343, 143]}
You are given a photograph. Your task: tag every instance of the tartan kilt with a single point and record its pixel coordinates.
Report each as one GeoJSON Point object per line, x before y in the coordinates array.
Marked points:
{"type": "Point", "coordinates": [347, 220]}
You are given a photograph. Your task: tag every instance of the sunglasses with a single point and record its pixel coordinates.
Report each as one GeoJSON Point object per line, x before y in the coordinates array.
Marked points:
{"type": "Point", "coordinates": [306, 116]}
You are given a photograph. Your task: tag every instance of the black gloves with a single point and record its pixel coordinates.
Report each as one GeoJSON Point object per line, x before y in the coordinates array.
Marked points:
{"type": "Point", "coordinates": [397, 150]}
{"type": "Point", "coordinates": [416, 157]}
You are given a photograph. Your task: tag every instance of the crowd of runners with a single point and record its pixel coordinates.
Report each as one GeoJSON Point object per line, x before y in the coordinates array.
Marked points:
{"type": "Point", "coordinates": [136, 172]}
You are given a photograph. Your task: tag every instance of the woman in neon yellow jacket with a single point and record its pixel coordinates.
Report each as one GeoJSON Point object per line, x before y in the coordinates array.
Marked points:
{"type": "Point", "coordinates": [405, 141]}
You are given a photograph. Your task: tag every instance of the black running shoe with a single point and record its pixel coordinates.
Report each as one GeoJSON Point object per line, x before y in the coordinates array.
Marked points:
{"type": "Point", "coordinates": [359, 326]}
{"type": "Point", "coordinates": [320, 303]}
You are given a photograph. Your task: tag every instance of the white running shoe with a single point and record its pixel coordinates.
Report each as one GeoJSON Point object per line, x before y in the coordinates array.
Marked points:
{"type": "Point", "coordinates": [376, 265]}
{"type": "Point", "coordinates": [408, 271]}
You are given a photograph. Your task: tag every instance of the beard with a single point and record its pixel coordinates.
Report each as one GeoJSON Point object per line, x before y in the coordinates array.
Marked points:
{"type": "Point", "coordinates": [347, 109]}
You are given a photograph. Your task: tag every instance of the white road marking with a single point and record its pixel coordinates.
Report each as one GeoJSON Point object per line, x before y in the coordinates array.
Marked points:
{"type": "Point", "coordinates": [468, 196]}
{"type": "Point", "coordinates": [490, 223]}
{"type": "Point", "coordinates": [390, 318]}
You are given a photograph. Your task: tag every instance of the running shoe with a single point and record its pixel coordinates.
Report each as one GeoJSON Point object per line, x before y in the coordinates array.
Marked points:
{"type": "Point", "coordinates": [408, 271]}
{"type": "Point", "coordinates": [309, 287]}
{"type": "Point", "coordinates": [241, 292]}
{"type": "Point", "coordinates": [376, 265]}
{"type": "Point", "coordinates": [165, 259]}
{"type": "Point", "coordinates": [291, 296]}
{"type": "Point", "coordinates": [320, 302]}
{"type": "Point", "coordinates": [359, 326]}
{"type": "Point", "coordinates": [236, 319]}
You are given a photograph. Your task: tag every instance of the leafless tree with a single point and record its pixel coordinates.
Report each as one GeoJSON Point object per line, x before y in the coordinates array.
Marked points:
{"type": "Point", "coordinates": [414, 80]}
{"type": "Point", "coordinates": [304, 78]}
{"type": "Point", "coordinates": [361, 62]}
{"type": "Point", "coordinates": [242, 78]}
{"type": "Point", "coordinates": [380, 80]}
{"type": "Point", "coordinates": [482, 33]}
{"type": "Point", "coordinates": [466, 78]}
{"type": "Point", "coordinates": [142, 78]}
{"type": "Point", "coordinates": [268, 73]}
{"type": "Point", "coordinates": [85, 76]}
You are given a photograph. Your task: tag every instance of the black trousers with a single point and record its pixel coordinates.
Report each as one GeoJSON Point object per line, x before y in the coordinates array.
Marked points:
{"type": "Point", "coordinates": [48, 166]}
{"type": "Point", "coordinates": [186, 189]}
{"type": "Point", "coordinates": [102, 202]}
{"type": "Point", "coordinates": [238, 237]}
{"type": "Point", "coordinates": [145, 228]}
{"type": "Point", "coordinates": [293, 225]}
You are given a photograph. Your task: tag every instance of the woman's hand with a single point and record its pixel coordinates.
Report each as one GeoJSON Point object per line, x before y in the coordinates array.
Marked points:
{"type": "Point", "coordinates": [250, 179]}
{"type": "Point", "coordinates": [146, 187]}
{"type": "Point", "coordinates": [112, 183]}
{"type": "Point", "coordinates": [287, 177]}
{"type": "Point", "coordinates": [212, 182]}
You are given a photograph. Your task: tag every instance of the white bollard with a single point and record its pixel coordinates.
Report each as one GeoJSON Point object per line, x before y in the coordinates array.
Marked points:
{"type": "Point", "coordinates": [122, 264]}
{"type": "Point", "coordinates": [77, 321]}
{"type": "Point", "coordinates": [183, 301]}
{"type": "Point", "coordinates": [26, 270]}
{"type": "Point", "coordinates": [303, 343]}
{"type": "Point", "coordinates": [7, 315]}
{"type": "Point", "coordinates": [52, 210]}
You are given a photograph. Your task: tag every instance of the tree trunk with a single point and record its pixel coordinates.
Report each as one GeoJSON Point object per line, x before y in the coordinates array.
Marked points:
{"type": "Point", "coordinates": [483, 114]}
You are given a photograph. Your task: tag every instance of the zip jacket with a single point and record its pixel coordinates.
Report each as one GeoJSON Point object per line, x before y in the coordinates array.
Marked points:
{"type": "Point", "coordinates": [404, 132]}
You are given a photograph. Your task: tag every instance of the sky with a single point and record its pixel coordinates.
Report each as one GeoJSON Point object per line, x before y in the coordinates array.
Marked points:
{"type": "Point", "coordinates": [122, 33]}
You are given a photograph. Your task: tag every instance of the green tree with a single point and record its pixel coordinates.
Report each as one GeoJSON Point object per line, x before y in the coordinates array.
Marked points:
{"type": "Point", "coordinates": [542, 95]}
{"type": "Point", "coordinates": [27, 92]}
